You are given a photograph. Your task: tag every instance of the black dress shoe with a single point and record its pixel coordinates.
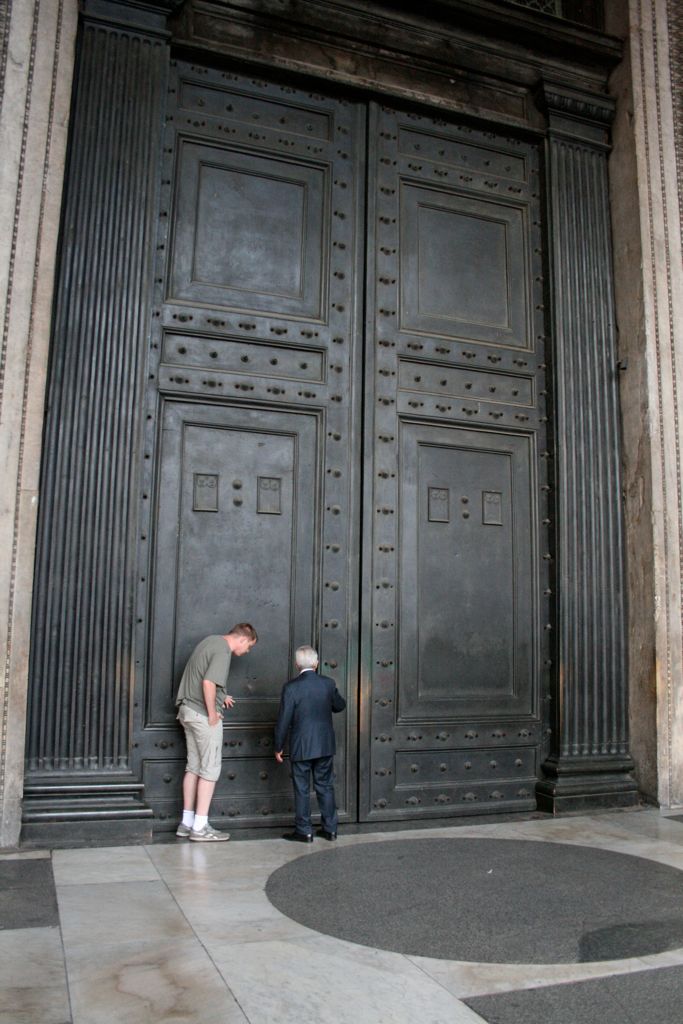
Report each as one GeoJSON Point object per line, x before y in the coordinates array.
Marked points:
{"type": "Point", "coordinates": [297, 837]}
{"type": "Point", "coordinates": [330, 836]}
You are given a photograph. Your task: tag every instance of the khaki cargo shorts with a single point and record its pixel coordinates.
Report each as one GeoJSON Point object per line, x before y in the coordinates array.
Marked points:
{"type": "Point", "coordinates": [204, 743]}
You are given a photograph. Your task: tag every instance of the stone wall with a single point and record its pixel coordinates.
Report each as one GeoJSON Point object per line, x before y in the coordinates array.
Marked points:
{"type": "Point", "coordinates": [37, 44]}
{"type": "Point", "coordinates": [649, 285]}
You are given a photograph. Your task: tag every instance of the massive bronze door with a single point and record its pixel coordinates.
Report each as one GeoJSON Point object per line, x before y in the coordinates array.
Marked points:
{"type": "Point", "coordinates": [346, 444]}
{"type": "Point", "coordinates": [298, 376]}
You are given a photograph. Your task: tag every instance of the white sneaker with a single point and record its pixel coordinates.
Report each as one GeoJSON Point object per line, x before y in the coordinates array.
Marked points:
{"type": "Point", "coordinates": [183, 831]}
{"type": "Point", "coordinates": [208, 835]}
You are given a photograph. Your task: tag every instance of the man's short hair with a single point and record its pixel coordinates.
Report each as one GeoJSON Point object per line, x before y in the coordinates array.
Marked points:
{"type": "Point", "coordinates": [244, 629]}
{"type": "Point", "coordinates": [306, 657]}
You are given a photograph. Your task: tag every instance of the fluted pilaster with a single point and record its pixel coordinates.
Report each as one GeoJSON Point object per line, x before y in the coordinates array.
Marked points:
{"type": "Point", "coordinates": [81, 665]}
{"type": "Point", "coordinates": [589, 762]}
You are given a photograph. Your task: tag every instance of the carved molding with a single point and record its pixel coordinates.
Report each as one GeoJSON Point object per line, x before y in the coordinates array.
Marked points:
{"type": "Point", "coordinates": [584, 106]}
{"type": "Point", "coordinates": [464, 55]}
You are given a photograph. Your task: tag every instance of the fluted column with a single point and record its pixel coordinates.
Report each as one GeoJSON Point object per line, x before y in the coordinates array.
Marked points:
{"type": "Point", "coordinates": [81, 666]}
{"type": "Point", "coordinates": [589, 761]}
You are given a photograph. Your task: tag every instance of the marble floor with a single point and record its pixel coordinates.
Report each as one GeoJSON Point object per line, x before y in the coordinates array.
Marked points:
{"type": "Point", "coordinates": [184, 933]}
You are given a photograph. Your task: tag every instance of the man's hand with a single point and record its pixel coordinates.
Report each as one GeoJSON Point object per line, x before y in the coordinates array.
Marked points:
{"type": "Point", "coordinates": [229, 701]}
{"type": "Point", "coordinates": [214, 717]}
{"type": "Point", "coordinates": [278, 756]}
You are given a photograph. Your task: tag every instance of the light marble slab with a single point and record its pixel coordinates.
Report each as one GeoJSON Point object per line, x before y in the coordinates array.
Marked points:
{"type": "Point", "coordinates": [149, 982]}
{"type": "Point", "coordinates": [216, 863]}
{"type": "Point", "coordinates": [230, 915]}
{"type": "Point", "coordinates": [466, 980]}
{"type": "Point", "coordinates": [24, 855]}
{"type": "Point", "coordinates": [612, 838]}
{"type": "Point", "coordinates": [32, 977]}
{"type": "Point", "coordinates": [322, 979]}
{"type": "Point", "coordinates": [95, 916]}
{"type": "Point", "coordinates": [104, 864]}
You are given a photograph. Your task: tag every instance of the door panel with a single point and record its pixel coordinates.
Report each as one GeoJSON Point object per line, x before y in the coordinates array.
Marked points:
{"type": "Point", "coordinates": [462, 266]}
{"type": "Point", "coordinates": [273, 212]}
{"type": "Point", "coordinates": [234, 543]}
{"type": "Point", "coordinates": [465, 574]}
{"type": "Point", "coordinates": [253, 461]}
{"type": "Point", "coordinates": [454, 665]}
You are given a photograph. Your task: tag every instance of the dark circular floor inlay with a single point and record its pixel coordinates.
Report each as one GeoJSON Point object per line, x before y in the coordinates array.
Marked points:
{"type": "Point", "coordinates": [490, 900]}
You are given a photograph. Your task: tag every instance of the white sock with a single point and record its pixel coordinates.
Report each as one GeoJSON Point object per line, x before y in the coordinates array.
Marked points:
{"type": "Point", "coordinates": [188, 818]}
{"type": "Point", "coordinates": [200, 820]}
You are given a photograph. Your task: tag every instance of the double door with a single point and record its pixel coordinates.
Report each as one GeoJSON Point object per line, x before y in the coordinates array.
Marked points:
{"type": "Point", "coordinates": [346, 445]}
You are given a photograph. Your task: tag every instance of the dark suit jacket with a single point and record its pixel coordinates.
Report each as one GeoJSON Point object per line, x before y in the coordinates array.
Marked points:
{"type": "Point", "coordinates": [306, 709]}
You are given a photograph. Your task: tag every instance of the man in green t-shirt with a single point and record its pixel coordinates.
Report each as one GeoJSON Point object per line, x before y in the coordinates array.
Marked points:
{"type": "Point", "coordinates": [200, 702]}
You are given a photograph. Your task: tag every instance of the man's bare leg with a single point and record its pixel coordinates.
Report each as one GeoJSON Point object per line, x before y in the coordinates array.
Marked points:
{"type": "Point", "coordinates": [204, 791]}
{"type": "Point", "coordinates": [189, 790]}
{"type": "Point", "coordinates": [197, 793]}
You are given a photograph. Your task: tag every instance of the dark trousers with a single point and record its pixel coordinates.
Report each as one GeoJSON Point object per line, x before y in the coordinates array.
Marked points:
{"type": "Point", "coordinates": [323, 783]}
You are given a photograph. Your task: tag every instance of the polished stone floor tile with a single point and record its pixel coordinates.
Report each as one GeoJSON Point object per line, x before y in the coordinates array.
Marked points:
{"type": "Point", "coordinates": [233, 915]}
{"type": "Point", "coordinates": [319, 979]}
{"type": "Point", "coordinates": [149, 983]}
{"type": "Point", "coordinates": [32, 977]}
{"type": "Point", "coordinates": [466, 980]}
{"type": "Point", "coordinates": [215, 864]}
{"type": "Point", "coordinates": [104, 864]}
{"type": "Point", "coordinates": [99, 915]}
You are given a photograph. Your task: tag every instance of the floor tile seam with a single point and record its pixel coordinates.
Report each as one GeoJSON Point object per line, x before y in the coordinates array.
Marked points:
{"type": "Point", "coordinates": [103, 879]}
{"type": "Point", "coordinates": [614, 844]}
{"type": "Point", "coordinates": [149, 857]}
{"type": "Point", "coordinates": [617, 969]}
{"type": "Point", "coordinates": [65, 963]}
{"type": "Point", "coordinates": [207, 952]}
{"type": "Point", "coordinates": [535, 982]}
{"type": "Point", "coordinates": [633, 834]}
{"type": "Point", "coordinates": [443, 987]}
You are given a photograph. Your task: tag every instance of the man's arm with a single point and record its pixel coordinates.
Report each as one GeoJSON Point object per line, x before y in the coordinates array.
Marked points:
{"type": "Point", "coordinates": [284, 720]}
{"type": "Point", "coordinates": [338, 702]}
{"type": "Point", "coordinates": [209, 691]}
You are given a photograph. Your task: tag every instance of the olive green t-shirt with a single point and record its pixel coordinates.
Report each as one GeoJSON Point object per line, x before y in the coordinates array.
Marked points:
{"type": "Point", "coordinates": [209, 660]}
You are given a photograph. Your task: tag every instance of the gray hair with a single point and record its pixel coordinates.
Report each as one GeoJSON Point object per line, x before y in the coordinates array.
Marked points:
{"type": "Point", "coordinates": [306, 657]}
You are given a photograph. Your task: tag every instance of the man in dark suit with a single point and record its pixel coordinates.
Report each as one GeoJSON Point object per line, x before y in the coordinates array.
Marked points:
{"type": "Point", "coordinates": [306, 708]}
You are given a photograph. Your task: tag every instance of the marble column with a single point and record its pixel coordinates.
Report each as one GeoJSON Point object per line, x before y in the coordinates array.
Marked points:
{"type": "Point", "coordinates": [651, 330]}
{"type": "Point", "coordinates": [37, 41]}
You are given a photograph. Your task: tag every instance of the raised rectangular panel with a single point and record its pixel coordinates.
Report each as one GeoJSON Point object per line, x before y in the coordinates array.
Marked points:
{"type": "Point", "coordinates": [457, 382]}
{"type": "Point", "coordinates": [252, 559]}
{"type": "Point", "coordinates": [439, 768]}
{"type": "Point", "coordinates": [236, 355]}
{"type": "Point", "coordinates": [442, 149]}
{"type": "Point", "coordinates": [250, 231]}
{"type": "Point", "coordinates": [235, 105]}
{"type": "Point", "coordinates": [466, 571]}
{"type": "Point", "coordinates": [463, 266]}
